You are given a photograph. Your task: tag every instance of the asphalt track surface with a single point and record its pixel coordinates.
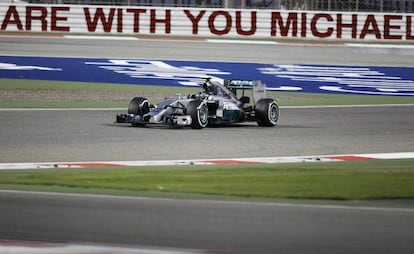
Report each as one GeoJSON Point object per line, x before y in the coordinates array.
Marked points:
{"type": "Point", "coordinates": [235, 227]}
{"type": "Point", "coordinates": [91, 135]}
{"type": "Point", "coordinates": [214, 226]}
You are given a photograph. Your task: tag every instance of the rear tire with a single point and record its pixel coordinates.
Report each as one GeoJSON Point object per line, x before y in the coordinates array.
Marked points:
{"type": "Point", "coordinates": [198, 110]}
{"type": "Point", "coordinates": [267, 112]}
{"type": "Point", "coordinates": [139, 106]}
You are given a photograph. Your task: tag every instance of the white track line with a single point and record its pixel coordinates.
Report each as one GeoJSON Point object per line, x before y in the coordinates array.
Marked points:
{"type": "Point", "coordinates": [227, 41]}
{"type": "Point", "coordinates": [367, 45]}
{"type": "Point", "coordinates": [101, 37]}
{"type": "Point", "coordinates": [26, 247]}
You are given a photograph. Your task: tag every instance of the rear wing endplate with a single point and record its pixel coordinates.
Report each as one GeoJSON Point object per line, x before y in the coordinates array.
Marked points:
{"type": "Point", "coordinates": [258, 88]}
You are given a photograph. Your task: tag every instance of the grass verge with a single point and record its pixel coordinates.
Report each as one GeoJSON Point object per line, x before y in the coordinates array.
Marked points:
{"type": "Point", "coordinates": [21, 93]}
{"type": "Point", "coordinates": [368, 180]}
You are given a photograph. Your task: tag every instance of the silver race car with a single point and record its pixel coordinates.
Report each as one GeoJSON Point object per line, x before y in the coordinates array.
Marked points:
{"type": "Point", "coordinates": [216, 104]}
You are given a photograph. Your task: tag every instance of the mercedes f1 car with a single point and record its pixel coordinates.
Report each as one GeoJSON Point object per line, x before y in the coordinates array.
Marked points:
{"type": "Point", "coordinates": [216, 104]}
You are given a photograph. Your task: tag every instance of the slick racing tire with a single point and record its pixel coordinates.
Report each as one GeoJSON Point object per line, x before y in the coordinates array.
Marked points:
{"type": "Point", "coordinates": [198, 111]}
{"type": "Point", "coordinates": [139, 106]}
{"type": "Point", "coordinates": [267, 112]}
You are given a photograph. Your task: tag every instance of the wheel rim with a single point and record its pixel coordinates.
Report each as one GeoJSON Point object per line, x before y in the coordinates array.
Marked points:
{"type": "Point", "coordinates": [203, 114]}
{"type": "Point", "coordinates": [273, 113]}
{"type": "Point", "coordinates": [144, 107]}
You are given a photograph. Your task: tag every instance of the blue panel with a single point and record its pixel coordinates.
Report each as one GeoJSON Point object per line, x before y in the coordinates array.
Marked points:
{"type": "Point", "coordinates": [372, 80]}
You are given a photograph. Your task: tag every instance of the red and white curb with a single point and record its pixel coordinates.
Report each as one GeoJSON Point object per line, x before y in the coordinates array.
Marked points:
{"type": "Point", "coordinates": [25, 247]}
{"type": "Point", "coordinates": [230, 161]}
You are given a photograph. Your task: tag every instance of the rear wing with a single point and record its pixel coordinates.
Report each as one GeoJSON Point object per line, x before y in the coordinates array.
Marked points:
{"type": "Point", "coordinates": [258, 88]}
{"type": "Point", "coordinates": [239, 84]}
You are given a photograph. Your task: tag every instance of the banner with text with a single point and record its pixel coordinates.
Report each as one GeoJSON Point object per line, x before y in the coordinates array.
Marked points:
{"type": "Point", "coordinates": [204, 22]}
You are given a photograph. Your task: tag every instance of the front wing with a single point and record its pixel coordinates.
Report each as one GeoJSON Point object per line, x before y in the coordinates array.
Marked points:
{"type": "Point", "coordinates": [136, 120]}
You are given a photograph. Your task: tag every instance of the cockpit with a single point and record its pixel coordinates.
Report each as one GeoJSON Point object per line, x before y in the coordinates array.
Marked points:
{"type": "Point", "coordinates": [215, 88]}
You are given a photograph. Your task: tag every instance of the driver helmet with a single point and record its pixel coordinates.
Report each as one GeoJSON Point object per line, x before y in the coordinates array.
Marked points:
{"type": "Point", "coordinates": [207, 86]}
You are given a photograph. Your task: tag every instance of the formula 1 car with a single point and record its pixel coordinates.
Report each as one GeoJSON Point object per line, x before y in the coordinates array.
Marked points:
{"type": "Point", "coordinates": [216, 104]}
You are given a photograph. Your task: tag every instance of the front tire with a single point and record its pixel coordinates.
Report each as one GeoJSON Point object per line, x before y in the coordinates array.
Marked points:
{"type": "Point", "coordinates": [198, 110]}
{"type": "Point", "coordinates": [267, 112]}
{"type": "Point", "coordinates": [139, 106]}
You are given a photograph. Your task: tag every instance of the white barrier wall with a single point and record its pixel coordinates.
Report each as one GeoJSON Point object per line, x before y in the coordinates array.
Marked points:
{"type": "Point", "coordinates": [243, 23]}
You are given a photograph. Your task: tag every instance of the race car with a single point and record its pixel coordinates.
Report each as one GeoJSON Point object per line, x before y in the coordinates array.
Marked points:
{"type": "Point", "coordinates": [217, 104]}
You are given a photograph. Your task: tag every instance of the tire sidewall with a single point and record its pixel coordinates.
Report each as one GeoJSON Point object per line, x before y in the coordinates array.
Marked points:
{"type": "Point", "coordinates": [273, 113]}
{"type": "Point", "coordinates": [198, 110]}
{"type": "Point", "coordinates": [267, 112]}
{"type": "Point", "coordinates": [138, 106]}
{"type": "Point", "coordinates": [202, 114]}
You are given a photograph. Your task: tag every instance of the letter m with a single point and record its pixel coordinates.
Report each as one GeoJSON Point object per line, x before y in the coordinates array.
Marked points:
{"type": "Point", "coordinates": [291, 23]}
